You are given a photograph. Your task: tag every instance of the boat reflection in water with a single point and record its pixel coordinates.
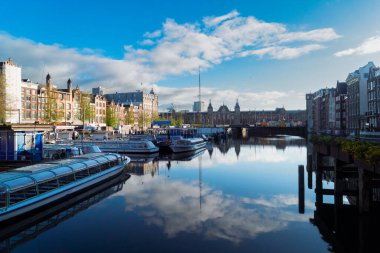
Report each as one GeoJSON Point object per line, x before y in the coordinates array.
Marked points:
{"type": "Point", "coordinates": [184, 156]}
{"type": "Point", "coordinates": [38, 222]}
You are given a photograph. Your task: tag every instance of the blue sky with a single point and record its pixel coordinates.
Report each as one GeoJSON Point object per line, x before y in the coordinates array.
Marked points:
{"type": "Point", "coordinates": [266, 53]}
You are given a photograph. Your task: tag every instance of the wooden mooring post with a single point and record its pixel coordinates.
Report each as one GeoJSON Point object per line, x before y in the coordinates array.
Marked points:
{"type": "Point", "coordinates": [301, 189]}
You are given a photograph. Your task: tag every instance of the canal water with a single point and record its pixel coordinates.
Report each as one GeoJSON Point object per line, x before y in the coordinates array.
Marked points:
{"type": "Point", "coordinates": [236, 196]}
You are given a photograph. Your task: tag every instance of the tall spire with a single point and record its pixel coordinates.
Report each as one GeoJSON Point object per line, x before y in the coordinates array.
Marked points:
{"type": "Point", "coordinates": [48, 80]}
{"type": "Point", "coordinates": [69, 85]}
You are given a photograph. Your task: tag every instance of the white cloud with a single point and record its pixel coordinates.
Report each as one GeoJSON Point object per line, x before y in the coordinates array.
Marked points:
{"type": "Point", "coordinates": [147, 42]}
{"type": "Point", "coordinates": [152, 35]}
{"type": "Point", "coordinates": [283, 53]}
{"type": "Point", "coordinates": [175, 49]}
{"type": "Point", "coordinates": [369, 46]}
{"type": "Point", "coordinates": [318, 35]}
{"type": "Point", "coordinates": [213, 21]}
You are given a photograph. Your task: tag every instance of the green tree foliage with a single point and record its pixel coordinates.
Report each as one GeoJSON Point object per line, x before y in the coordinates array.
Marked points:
{"type": "Point", "coordinates": [129, 117]}
{"type": "Point", "coordinates": [180, 120]}
{"type": "Point", "coordinates": [111, 118]}
{"type": "Point", "coordinates": [85, 109]}
{"type": "Point", "coordinates": [50, 107]}
{"type": "Point", "coordinates": [143, 120]}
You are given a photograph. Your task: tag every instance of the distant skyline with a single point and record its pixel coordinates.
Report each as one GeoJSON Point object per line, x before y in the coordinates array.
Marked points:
{"type": "Point", "coordinates": [266, 54]}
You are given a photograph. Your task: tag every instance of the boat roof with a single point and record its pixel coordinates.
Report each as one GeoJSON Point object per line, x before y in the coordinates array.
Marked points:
{"type": "Point", "coordinates": [44, 171]}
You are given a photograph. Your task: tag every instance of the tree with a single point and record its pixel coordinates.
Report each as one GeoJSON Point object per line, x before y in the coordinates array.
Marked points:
{"type": "Point", "coordinates": [143, 120]}
{"type": "Point", "coordinates": [85, 109]}
{"type": "Point", "coordinates": [129, 117]}
{"type": "Point", "coordinates": [180, 120]}
{"type": "Point", "coordinates": [50, 107]}
{"type": "Point", "coordinates": [111, 118]}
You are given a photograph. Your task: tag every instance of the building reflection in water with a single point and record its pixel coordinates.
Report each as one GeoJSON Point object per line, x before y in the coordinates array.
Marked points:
{"type": "Point", "coordinates": [338, 217]}
{"type": "Point", "coordinates": [17, 233]}
{"type": "Point", "coordinates": [280, 142]}
{"type": "Point", "coordinates": [143, 166]}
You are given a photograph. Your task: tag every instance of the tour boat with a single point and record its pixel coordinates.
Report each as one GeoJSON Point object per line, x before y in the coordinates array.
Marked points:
{"type": "Point", "coordinates": [27, 188]}
{"type": "Point", "coordinates": [123, 146]}
{"type": "Point", "coordinates": [183, 156]}
{"type": "Point", "coordinates": [62, 151]}
{"type": "Point", "coordinates": [35, 223]}
{"type": "Point", "coordinates": [188, 144]}
{"type": "Point", "coordinates": [142, 137]}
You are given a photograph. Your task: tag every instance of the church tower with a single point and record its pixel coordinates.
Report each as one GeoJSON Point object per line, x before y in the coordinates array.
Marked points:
{"type": "Point", "coordinates": [48, 81]}
{"type": "Point", "coordinates": [237, 116]}
{"type": "Point", "coordinates": [210, 111]}
{"type": "Point", "coordinates": [69, 85]}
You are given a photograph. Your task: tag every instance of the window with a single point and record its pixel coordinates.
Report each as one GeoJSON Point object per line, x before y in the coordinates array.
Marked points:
{"type": "Point", "coordinates": [68, 106]}
{"type": "Point", "coordinates": [61, 96]}
{"type": "Point", "coordinates": [28, 114]}
{"type": "Point", "coordinates": [61, 105]}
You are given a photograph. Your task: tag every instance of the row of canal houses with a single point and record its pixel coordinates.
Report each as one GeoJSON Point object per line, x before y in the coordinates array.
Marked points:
{"type": "Point", "coordinates": [348, 108]}
{"type": "Point", "coordinates": [26, 102]}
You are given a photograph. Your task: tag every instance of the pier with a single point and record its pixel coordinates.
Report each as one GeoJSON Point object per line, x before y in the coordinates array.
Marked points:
{"type": "Point", "coordinates": [346, 214]}
{"type": "Point", "coordinates": [358, 180]}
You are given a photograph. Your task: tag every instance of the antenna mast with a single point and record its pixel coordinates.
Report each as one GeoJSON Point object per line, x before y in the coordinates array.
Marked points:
{"type": "Point", "coordinates": [199, 95]}
{"type": "Point", "coordinates": [199, 82]}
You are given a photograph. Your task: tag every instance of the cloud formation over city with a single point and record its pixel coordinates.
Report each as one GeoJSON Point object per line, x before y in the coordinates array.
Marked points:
{"type": "Point", "coordinates": [369, 46]}
{"type": "Point", "coordinates": [174, 49]}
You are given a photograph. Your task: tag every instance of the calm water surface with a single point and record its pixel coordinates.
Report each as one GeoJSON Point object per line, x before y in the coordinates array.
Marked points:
{"type": "Point", "coordinates": [233, 197]}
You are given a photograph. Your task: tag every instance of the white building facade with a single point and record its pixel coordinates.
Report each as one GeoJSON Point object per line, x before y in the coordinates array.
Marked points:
{"type": "Point", "coordinates": [12, 91]}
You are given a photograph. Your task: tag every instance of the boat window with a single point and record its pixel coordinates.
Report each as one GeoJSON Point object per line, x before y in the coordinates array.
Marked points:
{"type": "Point", "coordinates": [22, 194]}
{"type": "Point", "coordinates": [104, 166]}
{"type": "Point", "coordinates": [3, 196]}
{"type": "Point", "coordinates": [47, 186]}
{"type": "Point", "coordinates": [101, 160]}
{"type": "Point", "coordinates": [66, 179]}
{"type": "Point", "coordinates": [90, 162]}
{"type": "Point", "coordinates": [18, 183]}
{"type": "Point", "coordinates": [62, 171]}
{"type": "Point", "coordinates": [93, 170]}
{"type": "Point", "coordinates": [82, 174]}
{"type": "Point", "coordinates": [77, 166]}
{"type": "Point", "coordinates": [43, 176]}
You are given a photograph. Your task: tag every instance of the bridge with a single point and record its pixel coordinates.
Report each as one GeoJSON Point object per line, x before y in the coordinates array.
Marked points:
{"type": "Point", "coordinates": [237, 130]}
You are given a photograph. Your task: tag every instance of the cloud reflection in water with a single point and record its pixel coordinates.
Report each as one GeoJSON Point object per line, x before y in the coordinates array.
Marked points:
{"type": "Point", "coordinates": [175, 206]}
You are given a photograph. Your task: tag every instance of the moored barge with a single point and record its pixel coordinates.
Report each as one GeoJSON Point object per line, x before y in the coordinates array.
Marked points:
{"type": "Point", "coordinates": [25, 189]}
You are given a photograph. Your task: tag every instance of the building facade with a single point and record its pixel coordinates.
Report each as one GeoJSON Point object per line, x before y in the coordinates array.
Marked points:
{"type": "Point", "coordinates": [357, 98]}
{"type": "Point", "coordinates": [226, 117]}
{"type": "Point", "coordinates": [340, 108]}
{"type": "Point", "coordinates": [10, 92]}
{"type": "Point", "coordinates": [199, 106]}
{"type": "Point", "coordinates": [373, 89]}
{"type": "Point", "coordinates": [148, 102]}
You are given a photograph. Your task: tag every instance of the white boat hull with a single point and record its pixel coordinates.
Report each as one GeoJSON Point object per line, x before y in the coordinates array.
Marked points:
{"type": "Point", "coordinates": [186, 148]}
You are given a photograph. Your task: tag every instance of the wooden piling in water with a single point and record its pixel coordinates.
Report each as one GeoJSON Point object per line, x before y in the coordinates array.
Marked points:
{"type": "Point", "coordinates": [301, 189]}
